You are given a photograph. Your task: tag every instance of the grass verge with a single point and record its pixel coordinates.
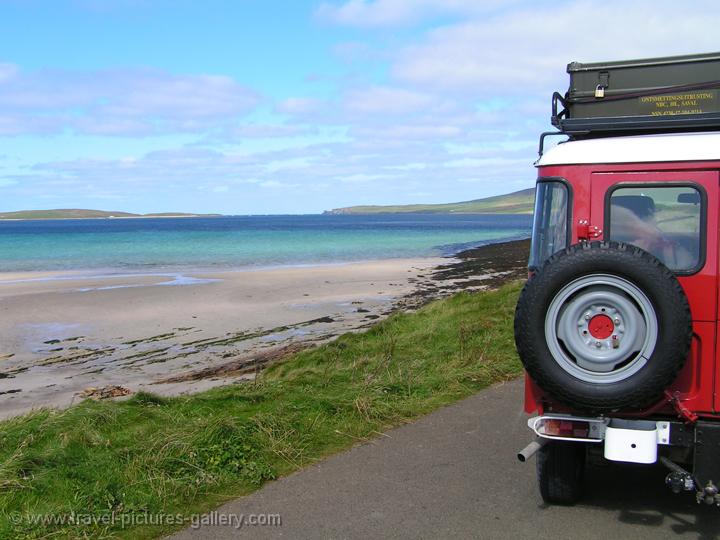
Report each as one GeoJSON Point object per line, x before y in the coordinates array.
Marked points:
{"type": "Point", "coordinates": [151, 456]}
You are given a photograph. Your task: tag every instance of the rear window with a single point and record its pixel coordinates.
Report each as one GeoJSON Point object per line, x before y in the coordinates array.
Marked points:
{"type": "Point", "coordinates": [663, 220]}
{"type": "Point", "coordinates": [550, 221]}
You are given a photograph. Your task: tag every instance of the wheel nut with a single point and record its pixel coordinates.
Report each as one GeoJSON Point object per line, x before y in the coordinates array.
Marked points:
{"type": "Point", "coordinates": [598, 344]}
{"type": "Point", "coordinates": [587, 317]}
{"type": "Point", "coordinates": [616, 321]}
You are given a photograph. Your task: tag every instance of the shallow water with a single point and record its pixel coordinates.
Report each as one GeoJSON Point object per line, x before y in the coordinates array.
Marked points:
{"type": "Point", "coordinates": [146, 245]}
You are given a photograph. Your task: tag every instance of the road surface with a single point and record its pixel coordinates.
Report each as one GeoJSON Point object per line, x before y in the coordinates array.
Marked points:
{"type": "Point", "coordinates": [454, 474]}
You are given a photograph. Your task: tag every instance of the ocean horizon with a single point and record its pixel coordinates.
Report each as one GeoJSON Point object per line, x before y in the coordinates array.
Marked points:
{"type": "Point", "coordinates": [240, 242]}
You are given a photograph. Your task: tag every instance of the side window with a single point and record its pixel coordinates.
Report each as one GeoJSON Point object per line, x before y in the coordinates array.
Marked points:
{"type": "Point", "coordinates": [550, 221]}
{"type": "Point", "coordinates": [663, 220]}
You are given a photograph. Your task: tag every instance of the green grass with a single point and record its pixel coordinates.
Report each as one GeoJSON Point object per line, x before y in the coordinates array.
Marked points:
{"type": "Point", "coordinates": [187, 454]}
{"type": "Point", "coordinates": [519, 202]}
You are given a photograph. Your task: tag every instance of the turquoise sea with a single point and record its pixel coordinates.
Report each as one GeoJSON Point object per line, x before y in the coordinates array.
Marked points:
{"type": "Point", "coordinates": [142, 245]}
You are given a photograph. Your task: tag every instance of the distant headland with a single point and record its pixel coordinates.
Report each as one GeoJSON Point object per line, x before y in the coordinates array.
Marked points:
{"type": "Point", "coordinates": [77, 213]}
{"type": "Point", "coordinates": [518, 202]}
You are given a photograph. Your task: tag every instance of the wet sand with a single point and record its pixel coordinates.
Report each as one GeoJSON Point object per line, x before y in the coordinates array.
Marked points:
{"type": "Point", "coordinates": [64, 333]}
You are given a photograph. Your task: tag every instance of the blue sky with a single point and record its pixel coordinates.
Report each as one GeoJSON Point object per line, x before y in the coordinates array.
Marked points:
{"type": "Point", "coordinates": [251, 107]}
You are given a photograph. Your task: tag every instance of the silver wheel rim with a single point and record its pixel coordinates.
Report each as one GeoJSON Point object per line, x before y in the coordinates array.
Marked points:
{"type": "Point", "coordinates": [585, 344]}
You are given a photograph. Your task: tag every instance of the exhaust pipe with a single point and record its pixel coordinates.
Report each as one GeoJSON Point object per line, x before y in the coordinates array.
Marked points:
{"type": "Point", "coordinates": [529, 451]}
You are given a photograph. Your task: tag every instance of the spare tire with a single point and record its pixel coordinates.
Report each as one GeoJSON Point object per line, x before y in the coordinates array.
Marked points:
{"type": "Point", "coordinates": [603, 326]}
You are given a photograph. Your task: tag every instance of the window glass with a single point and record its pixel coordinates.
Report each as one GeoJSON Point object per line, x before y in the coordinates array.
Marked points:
{"type": "Point", "coordinates": [662, 220]}
{"type": "Point", "coordinates": [550, 221]}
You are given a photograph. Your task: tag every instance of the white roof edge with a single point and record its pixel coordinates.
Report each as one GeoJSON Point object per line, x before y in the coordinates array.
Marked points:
{"type": "Point", "coordinates": [635, 149]}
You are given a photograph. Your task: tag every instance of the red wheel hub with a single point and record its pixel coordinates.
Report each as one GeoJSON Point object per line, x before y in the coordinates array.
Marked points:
{"type": "Point", "coordinates": [601, 327]}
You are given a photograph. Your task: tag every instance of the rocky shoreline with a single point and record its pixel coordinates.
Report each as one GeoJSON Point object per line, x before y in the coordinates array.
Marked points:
{"type": "Point", "coordinates": [481, 268]}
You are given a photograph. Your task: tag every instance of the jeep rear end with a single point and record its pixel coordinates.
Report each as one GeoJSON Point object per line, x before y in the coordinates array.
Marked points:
{"type": "Point", "coordinates": [617, 323]}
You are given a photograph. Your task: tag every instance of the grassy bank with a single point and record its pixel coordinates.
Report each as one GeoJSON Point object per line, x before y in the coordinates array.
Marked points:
{"type": "Point", "coordinates": [181, 456]}
{"type": "Point", "coordinates": [518, 202]}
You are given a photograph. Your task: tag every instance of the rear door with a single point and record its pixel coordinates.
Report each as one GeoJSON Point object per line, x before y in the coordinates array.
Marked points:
{"type": "Point", "coordinates": [673, 215]}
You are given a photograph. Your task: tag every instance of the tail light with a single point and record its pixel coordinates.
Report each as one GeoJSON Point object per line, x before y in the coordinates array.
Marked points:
{"type": "Point", "coordinates": [568, 428]}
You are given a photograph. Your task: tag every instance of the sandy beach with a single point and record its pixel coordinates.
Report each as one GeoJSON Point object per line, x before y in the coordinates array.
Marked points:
{"type": "Point", "coordinates": [64, 334]}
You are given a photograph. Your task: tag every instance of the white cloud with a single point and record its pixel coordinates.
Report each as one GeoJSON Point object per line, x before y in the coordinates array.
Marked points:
{"type": "Point", "coordinates": [118, 102]}
{"type": "Point", "coordinates": [275, 184]}
{"type": "Point", "coordinates": [409, 132]}
{"type": "Point", "coordinates": [363, 178]}
{"type": "Point", "coordinates": [7, 71]}
{"type": "Point", "coordinates": [409, 167]}
{"type": "Point", "coordinates": [487, 163]}
{"type": "Point", "coordinates": [386, 100]}
{"type": "Point", "coordinates": [401, 12]}
{"type": "Point", "coordinates": [361, 170]}
{"type": "Point", "coordinates": [519, 52]}
{"type": "Point", "coordinates": [261, 131]}
{"type": "Point", "coordinates": [299, 105]}
{"type": "Point", "coordinates": [288, 164]}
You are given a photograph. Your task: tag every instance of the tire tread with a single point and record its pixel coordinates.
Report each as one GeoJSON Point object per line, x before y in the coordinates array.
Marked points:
{"type": "Point", "coordinates": [560, 468]}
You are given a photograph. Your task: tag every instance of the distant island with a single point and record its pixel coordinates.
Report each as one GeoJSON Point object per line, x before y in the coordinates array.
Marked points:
{"type": "Point", "coordinates": [519, 202]}
{"type": "Point", "coordinates": [77, 213]}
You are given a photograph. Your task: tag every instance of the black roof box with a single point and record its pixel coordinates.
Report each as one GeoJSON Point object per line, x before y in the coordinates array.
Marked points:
{"type": "Point", "coordinates": [678, 93]}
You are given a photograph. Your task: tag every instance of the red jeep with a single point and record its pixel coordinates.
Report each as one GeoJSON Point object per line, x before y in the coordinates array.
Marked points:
{"type": "Point", "coordinates": [617, 325]}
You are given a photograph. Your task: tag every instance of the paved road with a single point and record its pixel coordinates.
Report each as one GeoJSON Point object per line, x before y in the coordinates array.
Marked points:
{"type": "Point", "coordinates": [454, 474]}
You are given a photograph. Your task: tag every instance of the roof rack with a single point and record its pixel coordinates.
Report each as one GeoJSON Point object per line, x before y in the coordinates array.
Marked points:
{"type": "Point", "coordinates": [657, 95]}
